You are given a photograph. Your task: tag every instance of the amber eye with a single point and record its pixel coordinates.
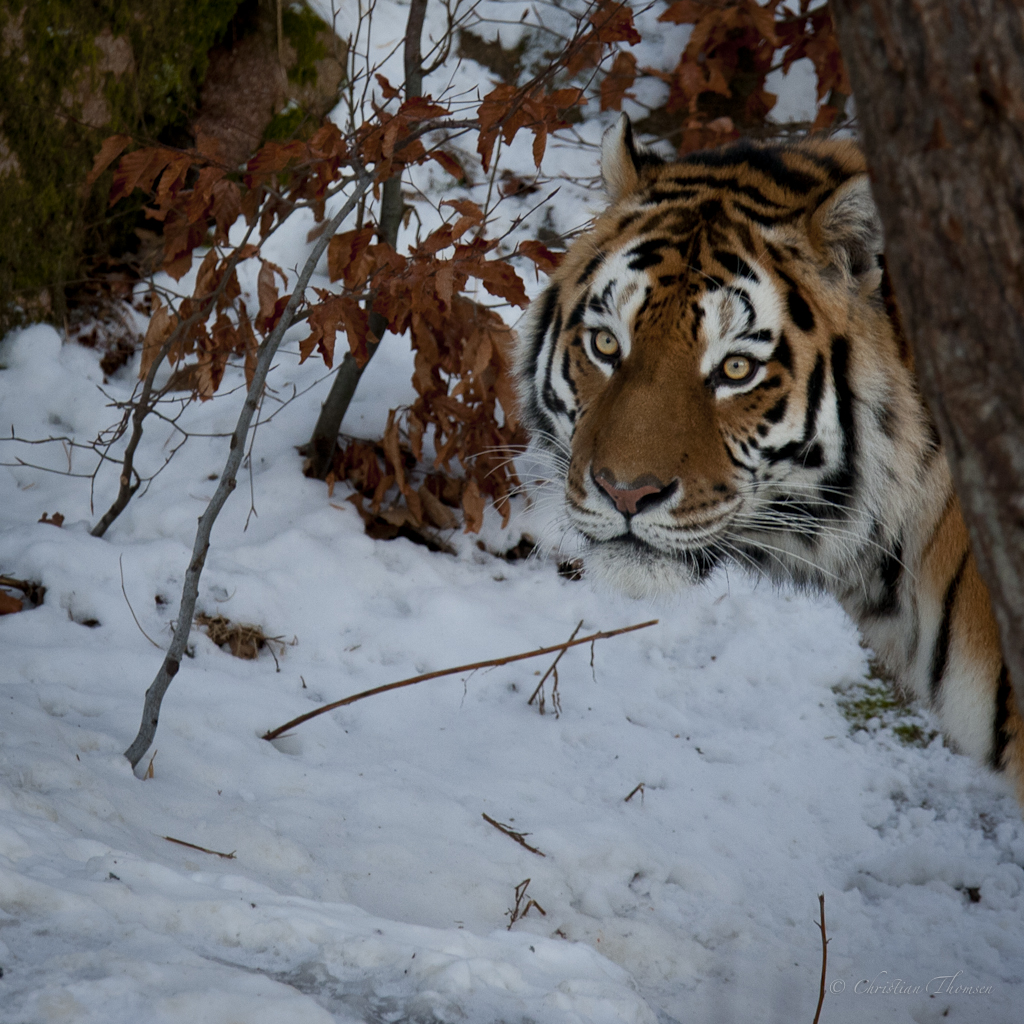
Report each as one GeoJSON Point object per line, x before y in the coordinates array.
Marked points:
{"type": "Point", "coordinates": [737, 368]}
{"type": "Point", "coordinates": [606, 345]}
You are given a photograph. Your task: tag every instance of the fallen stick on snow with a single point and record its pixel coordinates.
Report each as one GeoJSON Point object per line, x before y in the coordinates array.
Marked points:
{"type": "Point", "coordinates": [825, 940]}
{"type": "Point", "coordinates": [494, 662]}
{"type": "Point", "coordinates": [518, 912]}
{"type": "Point", "coordinates": [638, 788]}
{"type": "Point", "coordinates": [519, 837]}
{"type": "Point", "coordinates": [201, 849]}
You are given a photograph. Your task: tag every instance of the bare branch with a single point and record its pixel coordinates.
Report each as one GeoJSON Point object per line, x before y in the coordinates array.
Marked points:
{"type": "Point", "coordinates": [540, 686]}
{"type": "Point", "coordinates": [228, 480]}
{"type": "Point", "coordinates": [128, 485]}
{"type": "Point", "coordinates": [274, 733]}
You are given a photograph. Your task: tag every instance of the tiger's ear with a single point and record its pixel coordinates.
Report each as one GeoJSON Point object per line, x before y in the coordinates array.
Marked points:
{"type": "Point", "coordinates": [847, 230]}
{"type": "Point", "coordinates": [622, 161]}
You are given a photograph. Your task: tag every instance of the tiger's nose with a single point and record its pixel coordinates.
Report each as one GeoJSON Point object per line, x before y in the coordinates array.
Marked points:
{"type": "Point", "coordinates": [647, 490]}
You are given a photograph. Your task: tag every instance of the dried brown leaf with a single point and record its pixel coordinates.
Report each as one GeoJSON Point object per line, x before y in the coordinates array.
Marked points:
{"type": "Point", "coordinates": [266, 289]}
{"type": "Point", "coordinates": [473, 507]}
{"type": "Point", "coordinates": [113, 146]}
{"type": "Point", "coordinates": [619, 79]}
{"type": "Point", "coordinates": [161, 324]}
{"type": "Point", "coordinates": [542, 256]}
{"type": "Point", "coordinates": [346, 257]}
{"type": "Point", "coordinates": [449, 163]}
{"type": "Point", "coordinates": [500, 279]}
{"type": "Point", "coordinates": [439, 514]}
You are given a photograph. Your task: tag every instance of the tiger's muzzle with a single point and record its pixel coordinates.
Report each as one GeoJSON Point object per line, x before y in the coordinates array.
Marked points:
{"type": "Point", "coordinates": [643, 536]}
{"type": "Point", "coordinates": [643, 493]}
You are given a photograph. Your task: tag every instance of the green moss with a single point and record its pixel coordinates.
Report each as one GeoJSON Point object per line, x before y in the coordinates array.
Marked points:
{"type": "Point", "coordinates": [874, 704]}
{"type": "Point", "coordinates": [914, 735]}
{"type": "Point", "coordinates": [73, 72]}
{"type": "Point", "coordinates": [304, 30]}
{"type": "Point", "coordinates": [860, 703]}
{"type": "Point", "coordinates": [285, 125]}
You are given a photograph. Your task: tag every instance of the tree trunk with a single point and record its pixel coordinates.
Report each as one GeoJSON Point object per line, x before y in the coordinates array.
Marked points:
{"type": "Point", "coordinates": [939, 86]}
{"type": "Point", "coordinates": [324, 439]}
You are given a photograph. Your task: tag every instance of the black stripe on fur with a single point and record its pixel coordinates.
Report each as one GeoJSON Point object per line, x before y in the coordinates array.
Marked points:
{"type": "Point", "coordinates": [1000, 734]}
{"type": "Point", "coordinates": [940, 650]}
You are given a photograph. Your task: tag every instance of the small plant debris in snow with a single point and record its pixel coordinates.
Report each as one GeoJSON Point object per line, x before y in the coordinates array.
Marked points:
{"type": "Point", "coordinates": [34, 592]}
{"type": "Point", "coordinates": [241, 639]}
{"type": "Point", "coordinates": [521, 908]}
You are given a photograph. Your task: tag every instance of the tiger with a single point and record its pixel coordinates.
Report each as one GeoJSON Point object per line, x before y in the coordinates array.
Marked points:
{"type": "Point", "coordinates": [719, 371]}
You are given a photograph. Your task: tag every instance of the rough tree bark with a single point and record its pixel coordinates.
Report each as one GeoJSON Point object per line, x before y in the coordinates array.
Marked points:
{"type": "Point", "coordinates": [939, 86]}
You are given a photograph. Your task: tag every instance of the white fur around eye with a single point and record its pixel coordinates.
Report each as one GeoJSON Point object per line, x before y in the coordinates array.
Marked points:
{"type": "Point", "coordinates": [729, 329]}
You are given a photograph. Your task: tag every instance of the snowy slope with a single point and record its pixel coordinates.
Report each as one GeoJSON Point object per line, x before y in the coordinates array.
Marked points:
{"type": "Point", "coordinates": [365, 884]}
{"type": "Point", "coordinates": [360, 840]}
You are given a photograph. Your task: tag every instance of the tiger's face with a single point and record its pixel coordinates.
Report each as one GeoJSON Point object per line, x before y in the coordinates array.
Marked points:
{"type": "Point", "coordinates": [692, 364]}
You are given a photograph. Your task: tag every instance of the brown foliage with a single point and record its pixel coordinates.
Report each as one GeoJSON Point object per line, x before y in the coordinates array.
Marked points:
{"type": "Point", "coordinates": [463, 372]}
{"type": "Point", "coordinates": [505, 110]}
{"type": "Point", "coordinates": [543, 258]}
{"type": "Point", "coordinates": [439, 454]}
{"type": "Point", "coordinates": [462, 362]}
{"type": "Point", "coordinates": [617, 81]}
{"type": "Point", "coordinates": [717, 89]}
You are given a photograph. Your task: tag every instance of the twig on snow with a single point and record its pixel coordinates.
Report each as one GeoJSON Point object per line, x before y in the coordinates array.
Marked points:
{"type": "Point", "coordinates": [519, 837]}
{"type": "Point", "coordinates": [639, 788]}
{"type": "Point", "coordinates": [555, 702]}
{"type": "Point", "coordinates": [274, 733]}
{"type": "Point", "coordinates": [824, 957]}
{"type": "Point", "coordinates": [201, 849]}
{"type": "Point", "coordinates": [520, 911]}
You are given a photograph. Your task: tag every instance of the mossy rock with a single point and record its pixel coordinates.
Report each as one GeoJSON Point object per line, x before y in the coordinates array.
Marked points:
{"type": "Point", "coordinates": [275, 83]}
{"type": "Point", "coordinates": [73, 72]}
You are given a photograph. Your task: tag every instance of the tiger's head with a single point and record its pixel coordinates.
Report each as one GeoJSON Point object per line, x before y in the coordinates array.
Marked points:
{"type": "Point", "coordinates": [704, 361]}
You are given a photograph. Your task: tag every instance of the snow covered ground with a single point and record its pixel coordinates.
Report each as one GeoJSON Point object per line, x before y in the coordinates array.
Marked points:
{"type": "Point", "coordinates": [364, 883]}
